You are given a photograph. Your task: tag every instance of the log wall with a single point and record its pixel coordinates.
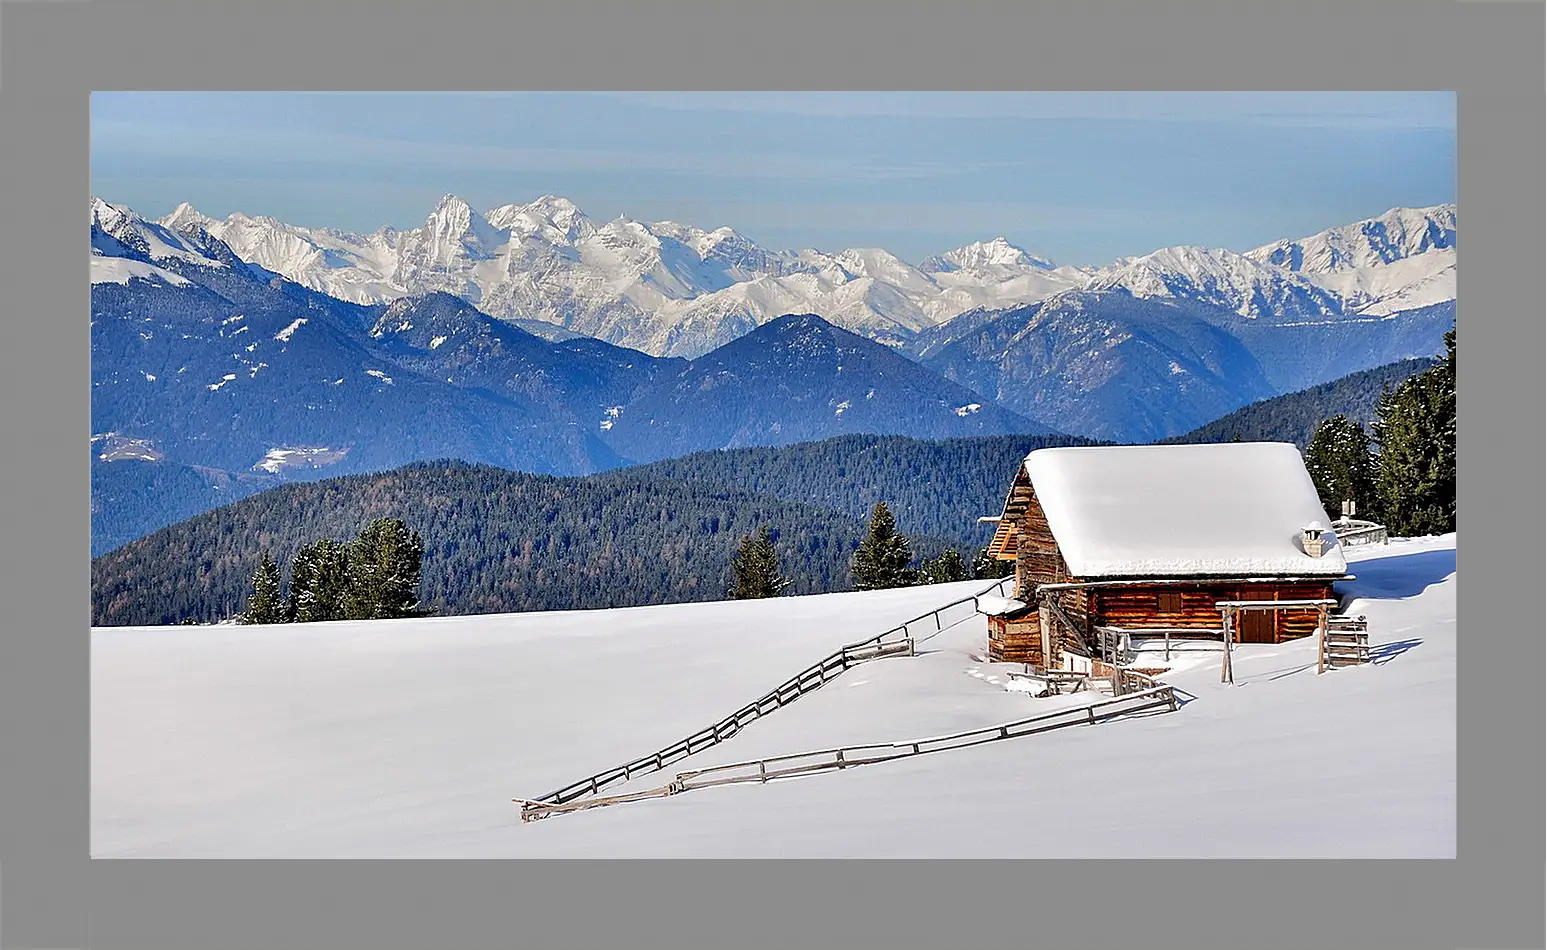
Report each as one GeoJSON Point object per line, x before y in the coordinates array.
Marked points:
{"type": "Point", "coordinates": [1141, 606]}
{"type": "Point", "coordinates": [1038, 561]}
{"type": "Point", "coordinates": [1037, 558]}
{"type": "Point", "coordinates": [1015, 640]}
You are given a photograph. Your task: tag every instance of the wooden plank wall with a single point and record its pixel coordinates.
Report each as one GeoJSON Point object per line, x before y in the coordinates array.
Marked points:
{"type": "Point", "coordinates": [1015, 640]}
{"type": "Point", "coordinates": [1140, 606]}
{"type": "Point", "coordinates": [1037, 558]}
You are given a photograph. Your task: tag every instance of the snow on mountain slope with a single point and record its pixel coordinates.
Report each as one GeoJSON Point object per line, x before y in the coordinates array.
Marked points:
{"type": "Point", "coordinates": [672, 289]}
{"type": "Point", "coordinates": [666, 288]}
{"type": "Point", "coordinates": [1398, 234]}
{"type": "Point", "coordinates": [409, 738]}
{"type": "Point", "coordinates": [1222, 278]}
{"type": "Point", "coordinates": [998, 259]}
{"type": "Point", "coordinates": [120, 270]}
{"type": "Point", "coordinates": [144, 238]}
{"type": "Point", "coordinates": [347, 266]}
{"type": "Point", "coordinates": [1401, 260]}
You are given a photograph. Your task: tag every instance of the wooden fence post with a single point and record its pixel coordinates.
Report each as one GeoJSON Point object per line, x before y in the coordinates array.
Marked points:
{"type": "Point", "coordinates": [1321, 640]}
{"type": "Point", "coordinates": [1045, 622]}
{"type": "Point", "coordinates": [1226, 673]}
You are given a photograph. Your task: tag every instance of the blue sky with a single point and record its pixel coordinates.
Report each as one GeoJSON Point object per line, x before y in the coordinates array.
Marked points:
{"type": "Point", "coordinates": [1081, 178]}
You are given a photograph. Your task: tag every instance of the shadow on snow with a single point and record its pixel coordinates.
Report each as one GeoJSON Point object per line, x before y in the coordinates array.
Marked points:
{"type": "Point", "coordinates": [1398, 576]}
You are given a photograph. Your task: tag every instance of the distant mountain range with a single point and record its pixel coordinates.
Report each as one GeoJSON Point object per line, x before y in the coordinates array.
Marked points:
{"type": "Point", "coordinates": [250, 346]}
{"type": "Point", "coordinates": [665, 288]}
{"type": "Point", "coordinates": [672, 289]}
{"type": "Point", "coordinates": [208, 360]}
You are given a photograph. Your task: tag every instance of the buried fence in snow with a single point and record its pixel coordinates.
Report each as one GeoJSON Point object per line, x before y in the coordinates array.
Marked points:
{"type": "Point", "coordinates": [1161, 697]}
{"type": "Point", "coordinates": [901, 640]}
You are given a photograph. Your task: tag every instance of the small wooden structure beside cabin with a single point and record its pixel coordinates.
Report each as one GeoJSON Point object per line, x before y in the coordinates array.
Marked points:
{"type": "Point", "coordinates": [1151, 538]}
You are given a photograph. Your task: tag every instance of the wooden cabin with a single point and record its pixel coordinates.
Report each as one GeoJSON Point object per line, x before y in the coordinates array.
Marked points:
{"type": "Point", "coordinates": [1150, 538]}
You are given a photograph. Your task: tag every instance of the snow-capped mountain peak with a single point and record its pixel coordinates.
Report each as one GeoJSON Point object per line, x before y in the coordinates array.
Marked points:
{"type": "Point", "coordinates": [1402, 259]}
{"type": "Point", "coordinates": [550, 218]}
{"type": "Point", "coordinates": [985, 257]}
{"type": "Point", "coordinates": [455, 223]}
{"type": "Point", "coordinates": [185, 216]}
{"type": "Point", "coordinates": [1223, 278]}
{"type": "Point", "coordinates": [114, 224]}
{"type": "Point", "coordinates": [1397, 234]}
{"type": "Point", "coordinates": [671, 288]}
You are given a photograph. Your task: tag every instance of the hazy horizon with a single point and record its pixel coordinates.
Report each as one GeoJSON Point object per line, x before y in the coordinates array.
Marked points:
{"type": "Point", "coordinates": [1080, 178]}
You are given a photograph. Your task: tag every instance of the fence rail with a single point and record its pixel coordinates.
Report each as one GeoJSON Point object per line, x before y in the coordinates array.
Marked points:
{"type": "Point", "coordinates": [900, 640]}
{"type": "Point", "coordinates": [1350, 533]}
{"type": "Point", "coordinates": [1159, 696]}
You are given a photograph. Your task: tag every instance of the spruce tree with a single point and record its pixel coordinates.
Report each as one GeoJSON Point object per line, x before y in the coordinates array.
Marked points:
{"type": "Point", "coordinates": [263, 603]}
{"type": "Point", "coordinates": [1415, 426]}
{"type": "Point", "coordinates": [881, 561]}
{"type": "Point", "coordinates": [330, 581]}
{"type": "Point", "coordinates": [384, 567]}
{"type": "Point", "coordinates": [945, 569]}
{"type": "Point", "coordinates": [1341, 466]}
{"type": "Point", "coordinates": [300, 605]}
{"type": "Point", "coordinates": [755, 568]}
{"type": "Point", "coordinates": [319, 582]}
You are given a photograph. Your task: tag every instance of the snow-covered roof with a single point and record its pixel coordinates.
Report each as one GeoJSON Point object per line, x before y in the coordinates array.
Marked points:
{"type": "Point", "coordinates": [1234, 509]}
{"type": "Point", "coordinates": [998, 606]}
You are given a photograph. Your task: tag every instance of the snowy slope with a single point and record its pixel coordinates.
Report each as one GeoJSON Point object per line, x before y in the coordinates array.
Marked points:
{"type": "Point", "coordinates": [127, 234]}
{"type": "Point", "coordinates": [1233, 282]}
{"type": "Point", "coordinates": [409, 738]}
{"type": "Point", "coordinates": [121, 270]}
{"type": "Point", "coordinates": [1401, 260]}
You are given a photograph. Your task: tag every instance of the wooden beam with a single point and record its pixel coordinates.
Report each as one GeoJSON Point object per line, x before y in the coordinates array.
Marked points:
{"type": "Point", "coordinates": [1321, 641]}
{"type": "Point", "coordinates": [1226, 671]}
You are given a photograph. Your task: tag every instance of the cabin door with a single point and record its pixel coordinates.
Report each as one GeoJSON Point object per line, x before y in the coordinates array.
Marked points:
{"type": "Point", "coordinates": [1257, 626]}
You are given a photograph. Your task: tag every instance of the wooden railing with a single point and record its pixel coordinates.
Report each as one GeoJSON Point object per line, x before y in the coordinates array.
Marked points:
{"type": "Point", "coordinates": [1351, 533]}
{"type": "Point", "coordinates": [1070, 625]}
{"type": "Point", "coordinates": [900, 640]}
{"type": "Point", "coordinates": [1164, 633]}
{"type": "Point", "coordinates": [826, 760]}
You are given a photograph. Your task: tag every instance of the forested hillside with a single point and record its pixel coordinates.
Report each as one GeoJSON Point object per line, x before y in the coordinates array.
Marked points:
{"type": "Point", "coordinates": [934, 487]}
{"type": "Point", "coordinates": [1295, 416]}
{"type": "Point", "coordinates": [494, 541]}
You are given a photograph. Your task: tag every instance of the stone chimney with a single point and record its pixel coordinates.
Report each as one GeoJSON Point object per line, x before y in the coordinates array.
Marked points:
{"type": "Point", "coordinates": [1313, 536]}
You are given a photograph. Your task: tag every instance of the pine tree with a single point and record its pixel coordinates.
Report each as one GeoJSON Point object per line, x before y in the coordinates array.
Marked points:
{"type": "Point", "coordinates": [1415, 478]}
{"type": "Point", "coordinates": [383, 569]}
{"type": "Point", "coordinates": [299, 606]}
{"type": "Point", "coordinates": [330, 583]}
{"type": "Point", "coordinates": [882, 559]}
{"type": "Point", "coordinates": [945, 569]}
{"type": "Point", "coordinates": [319, 582]}
{"type": "Point", "coordinates": [263, 603]}
{"type": "Point", "coordinates": [755, 568]}
{"type": "Point", "coordinates": [1341, 466]}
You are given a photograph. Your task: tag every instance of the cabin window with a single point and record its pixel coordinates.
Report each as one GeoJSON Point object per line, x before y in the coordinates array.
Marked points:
{"type": "Point", "coordinates": [1168, 602]}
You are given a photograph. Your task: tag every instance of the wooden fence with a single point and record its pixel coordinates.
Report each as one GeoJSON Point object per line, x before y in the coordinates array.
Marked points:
{"type": "Point", "coordinates": [1350, 533]}
{"type": "Point", "coordinates": [1158, 697]}
{"type": "Point", "coordinates": [901, 640]}
{"type": "Point", "coordinates": [1129, 634]}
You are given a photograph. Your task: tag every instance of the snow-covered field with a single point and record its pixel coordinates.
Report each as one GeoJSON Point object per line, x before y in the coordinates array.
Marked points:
{"type": "Point", "coordinates": [409, 738]}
